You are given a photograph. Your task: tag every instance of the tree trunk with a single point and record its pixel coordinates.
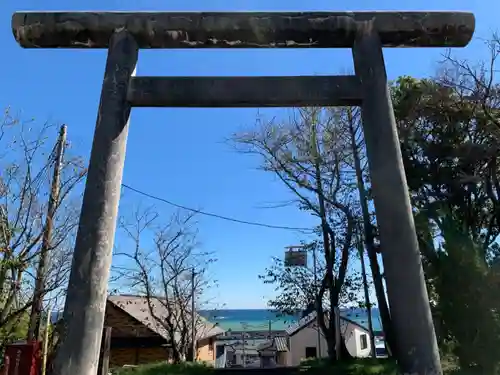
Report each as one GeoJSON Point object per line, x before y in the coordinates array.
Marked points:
{"type": "Point", "coordinates": [330, 345]}
{"type": "Point", "coordinates": [370, 246]}
{"type": "Point", "coordinates": [383, 307]}
{"type": "Point", "coordinates": [330, 336]}
{"type": "Point", "coordinates": [367, 297]}
{"type": "Point", "coordinates": [344, 353]}
{"type": "Point", "coordinates": [329, 331]}
{"type": "Point", "coordinates": [176, 355]}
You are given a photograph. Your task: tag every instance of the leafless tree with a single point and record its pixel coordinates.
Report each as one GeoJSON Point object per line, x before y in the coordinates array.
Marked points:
{"type": "Point", "coordinates": [476, 83]}
{"type": "Point", "coordinates": [308, 154]}
{"type": "Point", "coordinates": [171, 272]}
{"type": "Point", "coordinates": [26, 161]}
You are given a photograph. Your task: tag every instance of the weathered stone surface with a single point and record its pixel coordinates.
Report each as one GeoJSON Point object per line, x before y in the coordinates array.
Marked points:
{"type": "Point", "coordinates": [81, 334]}
{"type": "Point", "coordinates": [233, 92]}
{"type": "Point", "coordinates": [241, 30]}
{"type": "Point", "coordinates": [416, 343]}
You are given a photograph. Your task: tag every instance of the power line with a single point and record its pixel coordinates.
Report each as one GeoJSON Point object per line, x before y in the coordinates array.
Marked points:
{"type": "Point", "coordinates": [209, 214]}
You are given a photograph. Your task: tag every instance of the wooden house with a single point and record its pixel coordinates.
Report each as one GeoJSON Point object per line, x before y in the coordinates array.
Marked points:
{"type": "Point", "coordinates": [138, 338]}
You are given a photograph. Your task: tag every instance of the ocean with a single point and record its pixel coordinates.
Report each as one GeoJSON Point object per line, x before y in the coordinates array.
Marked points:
{"type": "Point", "coordinates": [263, 319]}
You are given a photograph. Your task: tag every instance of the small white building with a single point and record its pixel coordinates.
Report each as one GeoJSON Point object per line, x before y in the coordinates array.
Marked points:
{"type": "Point", "coordinates": [303, 339]}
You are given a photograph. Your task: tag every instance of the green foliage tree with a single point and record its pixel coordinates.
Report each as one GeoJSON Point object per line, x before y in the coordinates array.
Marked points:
{"type": "Point", "coordinates": [16, 329]}
{"type": "Point", "coordinates": [449, 131]}
{"type": "Point", "coordinates": [468, 301]}
{"type": "Point", "coordinates": [298, 287]}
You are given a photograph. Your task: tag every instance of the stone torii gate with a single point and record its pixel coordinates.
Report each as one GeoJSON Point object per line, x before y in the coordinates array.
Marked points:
{"type": "Point", "coordinates": [123, 34]}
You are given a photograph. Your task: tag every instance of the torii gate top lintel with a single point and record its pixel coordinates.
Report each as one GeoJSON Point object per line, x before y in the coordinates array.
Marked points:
{"type": "Point", "coordinates": [241, 29]}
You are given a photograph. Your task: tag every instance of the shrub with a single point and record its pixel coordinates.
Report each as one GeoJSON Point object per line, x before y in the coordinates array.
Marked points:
{"type": "Point", "coordinates": [358, 366]}
{"type": "Point", "coordinates": [163, 368]}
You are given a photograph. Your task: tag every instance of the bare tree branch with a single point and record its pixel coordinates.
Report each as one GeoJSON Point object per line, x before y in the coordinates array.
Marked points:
{"type": "Point", "coordinates": [167, 270]}
{"type": "Point", "coordinates": [26, 163]}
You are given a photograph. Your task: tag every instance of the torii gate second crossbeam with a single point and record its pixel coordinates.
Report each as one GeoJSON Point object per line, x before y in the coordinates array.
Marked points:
{"type": "Point", "coordinates": [123, 34]}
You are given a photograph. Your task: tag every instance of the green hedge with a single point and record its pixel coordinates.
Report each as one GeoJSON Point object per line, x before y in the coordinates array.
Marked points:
{"type": "Point", "coordinates": [355, 367]}
{"type": "Point", "coordinates": [163, 368]}
{"type": "Point", "coordinates": [366, 366]}
{"type": "Point", "coordinates": [360, 366]}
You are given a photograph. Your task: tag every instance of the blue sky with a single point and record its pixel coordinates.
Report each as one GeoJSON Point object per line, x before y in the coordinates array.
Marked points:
{"type": "Point", "coordinates": [180, 154]}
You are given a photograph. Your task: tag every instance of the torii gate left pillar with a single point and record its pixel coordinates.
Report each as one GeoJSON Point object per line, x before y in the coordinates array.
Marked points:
{"type": "Point", "coordinates": [124, 33]}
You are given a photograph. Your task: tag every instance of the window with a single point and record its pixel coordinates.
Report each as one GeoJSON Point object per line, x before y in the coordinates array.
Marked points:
{"type": "Point", "coordinates": [363, 338]}
{"type": "Point", "coordinates": [310, 352]}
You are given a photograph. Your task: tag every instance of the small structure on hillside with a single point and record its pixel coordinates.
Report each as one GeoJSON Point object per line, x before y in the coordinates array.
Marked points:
{"type": "Point", "coordinates": [226, 343]}
{"type": "Point", "coordinates": [137, 338]}
{"type": "Point", "coordinates": [274, 352]}
{"type": "Point", "coordinates": [242, 355]}
{"type": "Point", "coordinates": [303, 339]}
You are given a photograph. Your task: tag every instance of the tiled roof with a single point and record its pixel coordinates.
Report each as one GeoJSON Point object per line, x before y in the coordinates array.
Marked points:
{"type": "Point", "coordinates": [281, 344]}
{"type": "Point", "coordinates": [138, 308]}
{"type": "Point", "coordinates": [278, 343]}
{"type": "Point", "coordinates": [303, 322]}
{"type": "Point", "coordinates": [265, 345]}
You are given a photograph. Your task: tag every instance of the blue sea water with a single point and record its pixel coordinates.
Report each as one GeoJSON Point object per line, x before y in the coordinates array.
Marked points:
{"type": "Point", "coordinates": [262, 319]}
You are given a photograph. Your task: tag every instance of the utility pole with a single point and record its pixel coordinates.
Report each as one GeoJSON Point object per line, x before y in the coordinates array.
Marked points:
{"type": "Point", "coordinates": [244, 354]}
{"type": "Point", "coordinates": [193, 332]}
{"type": "Point", "coordinates": [244, 327]}
{"type": "Point", "coordinates": [46, 343]}
{"type": "Point", "coordinates": [39, 293]}
{"type": "Point", "coordinates": [367, 294]}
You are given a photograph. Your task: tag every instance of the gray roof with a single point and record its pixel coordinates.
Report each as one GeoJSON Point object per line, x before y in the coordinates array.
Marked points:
{"type": "Point", "coordinates": [242, 348]}
{"type": "Point", "coordinates": [249, 351]}
{"type": "Point", "coordinates": [138, 308]}
{"type": "Point", "coordinates": [265, 345]}
{"type": "Point", "coordinates": [278, 344]}
{"type": "Point", "coordinates": [281, 344]}
{"type": "Point", "coordinates": [303, 322]}
{"type": "Point", "coordinates": [308, 319]}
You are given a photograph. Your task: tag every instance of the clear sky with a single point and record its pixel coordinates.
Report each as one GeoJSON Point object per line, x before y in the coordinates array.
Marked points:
{"type": "Point", "coordinates": [180, 154]}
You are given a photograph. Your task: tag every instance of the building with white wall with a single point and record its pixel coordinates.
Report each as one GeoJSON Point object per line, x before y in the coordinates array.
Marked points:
{"type": "Point", "coordinates": [303, 339]}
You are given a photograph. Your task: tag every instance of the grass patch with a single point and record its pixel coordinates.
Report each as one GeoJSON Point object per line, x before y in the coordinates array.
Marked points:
{"type": "Point", "coordinates": [359, 366]}
{"type": "Point", "coordinates": [163, 368]}
{"type": "Point", "coordinates": [310, 367]}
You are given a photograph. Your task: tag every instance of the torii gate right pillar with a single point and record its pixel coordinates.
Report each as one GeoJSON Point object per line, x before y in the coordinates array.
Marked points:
{"type": "Point", "coordinates": [403, 271]}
